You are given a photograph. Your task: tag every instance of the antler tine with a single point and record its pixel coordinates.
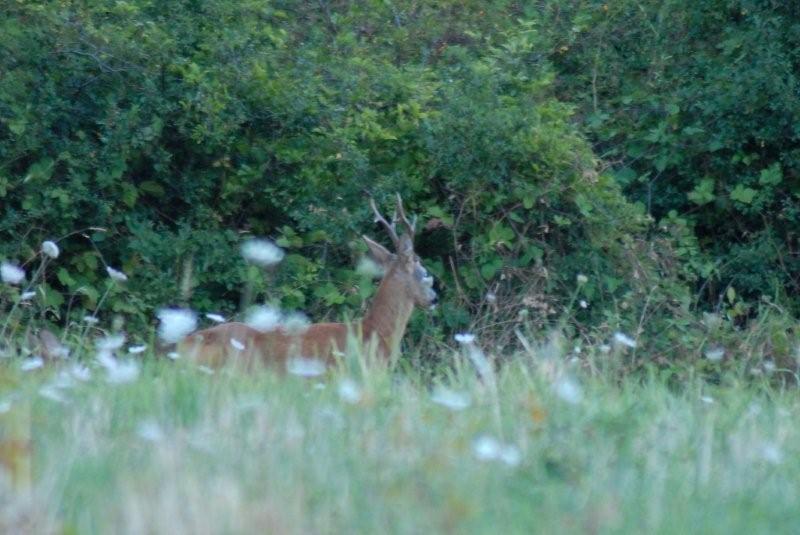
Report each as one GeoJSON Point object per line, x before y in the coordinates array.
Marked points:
{"type": "Point", "coordinates": [409, 225]}
{"type": "Point", "coordinates": [390, 227]}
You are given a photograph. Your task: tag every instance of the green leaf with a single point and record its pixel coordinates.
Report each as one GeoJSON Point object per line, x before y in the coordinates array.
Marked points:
{"type": "Point", "coordinates": [771, 176]}
{"type": "Point", "coordinates": [703, 193]}
{"type": "Point", "coordinates": [743, 194]}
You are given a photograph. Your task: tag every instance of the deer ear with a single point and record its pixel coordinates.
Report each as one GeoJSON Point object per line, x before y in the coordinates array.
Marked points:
{"type": "Point", "coordinates": [379, 253]}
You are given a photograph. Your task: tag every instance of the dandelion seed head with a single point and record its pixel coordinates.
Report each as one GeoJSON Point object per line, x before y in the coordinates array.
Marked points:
{"type": "Point", "coordinates": [261, 252]}
{"type": "Point", "coordinates": [583, 304]}
{"type": "Point", "coordinates": [175, 324]}
{"type": "Point", "coordinates": [305, 367]}
{"type": "Point", "coordinates": [91, 320]}
{"type": "Point", "coordinates": [582, 279]}
{"type": "Point", "coordinates": [769, 366]}
{"type": "Point", "coordinates": [27, 295]}
{"type": "Point", "coordinates": [49, 248]}
{"type": "Point", "coordinates": [116, 275]}
{"type": "Point", "coordinates": [11, 274]}
{"type": "Point", "coordinates": [491, 297]}
{"type": "Point", "coordinates": [708, 400]}
{"type": "Point", "coordinates": [135, 350]}
{"type": "Point", "coordinates": [263, 318]}
{"type": "Point", "coordinates": [624, 340]}
{"type": "Point", "coordinates": [173, 355]}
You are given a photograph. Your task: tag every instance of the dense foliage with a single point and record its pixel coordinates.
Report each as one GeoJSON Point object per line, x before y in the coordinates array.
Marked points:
{"type": "Point", "coordinates": [153, 136]}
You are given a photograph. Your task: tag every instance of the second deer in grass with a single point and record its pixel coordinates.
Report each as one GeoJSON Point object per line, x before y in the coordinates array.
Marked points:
{"type": "Point", "coordinates": [405, 284]}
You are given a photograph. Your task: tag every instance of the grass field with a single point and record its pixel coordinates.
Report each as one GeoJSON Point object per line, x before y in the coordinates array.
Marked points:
{"type": "Point", "coordinates": [541, 447]}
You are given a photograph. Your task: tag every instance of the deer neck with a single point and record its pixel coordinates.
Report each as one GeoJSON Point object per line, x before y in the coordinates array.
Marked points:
{"type": "Point", "coordinates": [388, 315]}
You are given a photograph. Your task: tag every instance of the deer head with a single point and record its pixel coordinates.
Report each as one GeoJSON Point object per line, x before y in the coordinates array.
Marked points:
{"type": "Point", "coordinates": [403, 267]}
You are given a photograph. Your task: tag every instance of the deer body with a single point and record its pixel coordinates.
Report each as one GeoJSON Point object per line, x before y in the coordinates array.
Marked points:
{"type": "Point", "coordinates": [405, 285]}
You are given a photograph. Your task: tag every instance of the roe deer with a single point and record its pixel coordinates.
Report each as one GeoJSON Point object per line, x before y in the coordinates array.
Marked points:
{"type": "Point", "coordinates": [405, 284]}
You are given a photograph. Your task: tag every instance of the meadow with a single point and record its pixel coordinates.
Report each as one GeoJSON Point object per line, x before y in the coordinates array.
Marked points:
{"type": "Point", "coordinates": [543, 445]}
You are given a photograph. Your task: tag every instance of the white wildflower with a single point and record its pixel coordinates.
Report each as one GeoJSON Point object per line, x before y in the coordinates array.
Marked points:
{"type": "Point", "coordinates": [296, 323]}
{"type": "Point", "coordinates": [123, 372]}
{"type": "Point", "coordinates": [150, 431]}
{"type": "Point", "coordinates": [349, 391]}
{"type": "Point", "coordinates": [135, 350]}
{"type": "Point", "coordinates": [451, 399]}
{"type": "Point", "coordinates": [261, 252]}
{"type": "Point", "coordinates": [491, 297]}
{"type": "Point", "coordinates": [173, 355]}
{"type": "Point", "coordinates": [80, 372]}
{"type": "Point", "coordinates": [465, 338]}
{"type": "Point", "coordinates": [237, 344]}
{"type": "Point", "coordinates": [769, 366]}
{"type": "Point", "coordinates": [216, 318]}
{"type": "Point", "coordinates": [715, 353]}
{"type": "Point", "coordinates": [27, 295]}
{"type": "Point", "coordinates": [263, 318]}
{"type": "Point", "coordinates": [91, 320]}
{"type": "Point", "coordinates": [118, 372]}
{"type": "Point", "coordinates": [367, 267]}
{"type": "Point", "coordinates": [568, 390]}
{"type": "Point", "coordinates": [583, 304]}
{"type": "Point", "coordinates": [11, 274]}
{"type": "Point", "coordinates": [487, 448]}
{"type": "Point", "coordinates": [33, 363]}
{"type": "Point", "coordinates": [305, 367]}
{"type": "Point", "coordinates": [708, 400]}
{"type": "Point", "coordinates": [49, 248]}
{"type": "Point", "coordinates": [510, 455]}
{"type": "Point", "coordinates": [110, 343]}
{"type": "Point", "coordinates": [624, 340]}
{"type": "Point", "coordinates": [52, 393]}
{"type": "Point", "coordinates": [116, 274]}
{"type": "Point", "coordinates": [581, 278]}
{"type": "Point", "coordinates": [175, 324]}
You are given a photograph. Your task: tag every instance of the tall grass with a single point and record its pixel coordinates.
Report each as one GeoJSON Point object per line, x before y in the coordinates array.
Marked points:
{"type": "Point", "coordinates": [365, 449]}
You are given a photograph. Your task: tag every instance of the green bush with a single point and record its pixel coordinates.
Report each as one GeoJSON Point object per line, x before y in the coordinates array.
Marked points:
{"type": "Point", "coordinates": [151, 137]}
{"type": "Point", "coordinates": [695, 106]}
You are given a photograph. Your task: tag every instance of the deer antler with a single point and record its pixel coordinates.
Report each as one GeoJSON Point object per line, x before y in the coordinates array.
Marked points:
{"type": "Point", "coordinates": [409, 225]}
{"type": "Point", "coordinates": [390, 227]}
